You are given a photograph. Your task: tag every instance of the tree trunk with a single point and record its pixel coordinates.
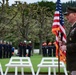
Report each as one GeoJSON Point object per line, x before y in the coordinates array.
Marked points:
{"type": "Point", "coordinates": [32, 48]}
{"type": "Point", "coordinates": [40, 50]}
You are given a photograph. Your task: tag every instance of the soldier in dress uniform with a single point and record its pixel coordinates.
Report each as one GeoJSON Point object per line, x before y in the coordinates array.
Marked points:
{"type": "Point", "coordinates": [20, 48]}
{"type": "Point", "coordinates": [7, 49]}
{"type": "Point", "coordinates": [29, 47]}
{"type": "Point", "coordinates": [49, 49]}
{"type": "Point", "coordinates": [44, 49]}
{"type": "Point", "coordinates": [10, 49]}
{"type": "Point", "coordinates": [0, 49]}
{"type": "Point", "coordinates": [53, 47]}
{"type": "Point", "coordinates": [70, 46]}
{"type": "Point", "coordinates": [4, 49]}
{"type": "Point", "coordinates": [24, 48]}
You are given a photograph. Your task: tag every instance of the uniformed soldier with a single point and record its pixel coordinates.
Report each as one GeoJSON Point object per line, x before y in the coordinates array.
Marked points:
{"type": "Point", "coordinates": [53, 49]}
{"type": "Point", "coordinates": [29, 47]}
{"type": "Point", "coordinates": [24, 48]}
{"type": "Point", "coordinates": [44, 49]}
{"type": "Point", "coordinates": [10, 49]}
{"type": "Point", "coordinates": [70, 46]}
{"type": "Point", "coordinates": [20, 48]}
{"type": "Point", "coordinates": [49, 49]}
{"type": "Point", "coordinates": [4, 49]}
{"type": "Point", "coordinates": [0, 49]}
{"type": "Point", "coordinates": [7, 49]}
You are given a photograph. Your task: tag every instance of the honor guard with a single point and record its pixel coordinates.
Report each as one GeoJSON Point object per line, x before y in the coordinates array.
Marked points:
{"type": "Point", "coordinates": [29, 47]}
{"type": "Point", "coordinates": [44, 49]}
{"type": "Point", "coordinates": [24, 48]}
{"type": "Point", "coordinates": [10, 49]}
{"type": "Point", "coordinates": [4, 49]}
{"type": "Point", "coordinates": [0, 49]}
{"type": "Point", "coordinates": [49, 49]}
{"type": "Point", "coordinates": [20, 49]}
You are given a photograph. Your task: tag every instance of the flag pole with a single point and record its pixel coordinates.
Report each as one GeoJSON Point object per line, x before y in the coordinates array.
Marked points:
{"type": "Point", "coordinates": [60, 35]}
{"type": "Point", "coordinates": [59, 43]}
{"type": "Point", "coordinates": [58, 59]}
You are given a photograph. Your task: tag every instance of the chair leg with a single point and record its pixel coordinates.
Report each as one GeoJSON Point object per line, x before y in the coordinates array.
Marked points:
{"type": "Point", "coordinates": [32, 71]}
{"type": "Point", "coordinates": [15, 70]}
{"type": "Point", "coordinates": [22, 71]}
{"type": "Point", "coordinates": [49, 73]}
{"type": "Point", "coordinates": [65, 71]}
{"type": "Point", "coordinates": [1, 70]}
{"type": "Point", "coordinates": [38, 71]}
{"type": "Point", "coordinates": [6, 71]}
{"type": "Point", "coordinates": [54, 71]}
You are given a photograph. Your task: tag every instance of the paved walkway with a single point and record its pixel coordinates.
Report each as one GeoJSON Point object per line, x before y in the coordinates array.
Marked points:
{"type": "Point", "coordinates": [31, 74]}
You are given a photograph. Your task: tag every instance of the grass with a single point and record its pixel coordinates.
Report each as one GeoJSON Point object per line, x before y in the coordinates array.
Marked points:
{"type": "Point", "coordinates": [35, 59]}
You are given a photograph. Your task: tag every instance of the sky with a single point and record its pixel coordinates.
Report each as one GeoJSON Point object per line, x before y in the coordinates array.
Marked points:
{"type": "Point", "coordinates": [32, 1]}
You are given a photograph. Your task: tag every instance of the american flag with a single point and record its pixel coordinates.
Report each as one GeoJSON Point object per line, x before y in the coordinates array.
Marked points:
{"type": "Point", "coordinates": [58, 24]}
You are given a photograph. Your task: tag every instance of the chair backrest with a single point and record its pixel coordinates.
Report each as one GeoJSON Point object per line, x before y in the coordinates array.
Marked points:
{"type": "Point", "coordinates": [20, 60]}
{"type": "Point", "coordinates": [49, 60]}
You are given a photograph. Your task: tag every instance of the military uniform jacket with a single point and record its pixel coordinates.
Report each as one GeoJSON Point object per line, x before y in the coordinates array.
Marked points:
{"type": "Point", "coordinates": [71, 49]}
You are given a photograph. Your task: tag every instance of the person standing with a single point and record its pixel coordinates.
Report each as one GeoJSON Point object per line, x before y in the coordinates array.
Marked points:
{"type": "Point", "coordinates": [20, 48]}
{"type": "Point", "coordinates": [53, 48]}
{"type": "Point", "coordinates": [10, 49]}
{"type": "Point", "coordinates": [44, 49]}
{"type": "Point", "coordinates": [4, 49]}
{"type": "Point", "coordinates": [29, 47]}
{"type": "Point", "coordinates": [70, 46]}
{"type": "Point", "coordinates": [24, 48]}
{"type": "Point", "coordinates": [1, 49]}
{"type": "Point", "coordinates": [7, 49]}
{"type": "Point", "coordinates": [13, 48]}
{"type": "Point", "coordinates": [49, 49]}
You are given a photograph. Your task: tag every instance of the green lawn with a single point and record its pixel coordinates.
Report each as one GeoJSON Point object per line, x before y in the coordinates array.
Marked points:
{"type": "Point", "coordinates": [35, 59]}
